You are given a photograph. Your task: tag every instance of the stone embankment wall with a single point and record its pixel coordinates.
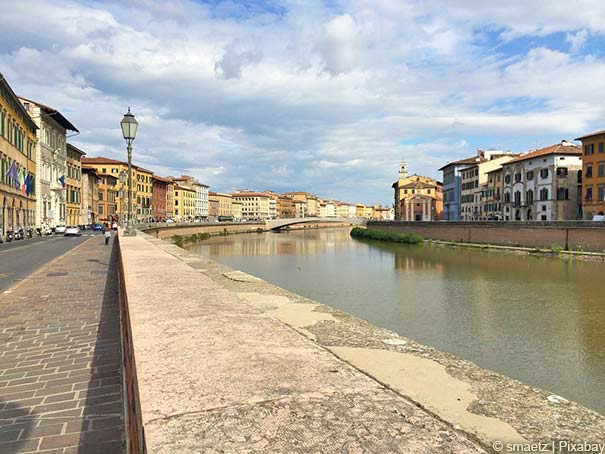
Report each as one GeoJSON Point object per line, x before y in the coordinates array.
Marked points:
{"type": "Point", "coordinates": [586, 236]}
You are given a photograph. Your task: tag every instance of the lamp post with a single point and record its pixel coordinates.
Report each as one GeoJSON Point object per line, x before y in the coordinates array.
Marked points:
{"type": "Point", "coordinates": [121, 196]}
{"type": "Point", "coordinates": [129, 131]}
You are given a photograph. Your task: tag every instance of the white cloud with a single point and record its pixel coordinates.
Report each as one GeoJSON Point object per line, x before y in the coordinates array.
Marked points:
{"type": "Point", "coordinates": [306, 95]}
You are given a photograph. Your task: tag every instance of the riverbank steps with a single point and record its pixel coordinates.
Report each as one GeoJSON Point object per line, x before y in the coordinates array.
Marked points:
{"type": "Point", "coordinates": [231, 363]}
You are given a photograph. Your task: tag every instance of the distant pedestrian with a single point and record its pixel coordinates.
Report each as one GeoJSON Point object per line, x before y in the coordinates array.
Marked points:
{"type": "Point", "coordinates": [107, 235]}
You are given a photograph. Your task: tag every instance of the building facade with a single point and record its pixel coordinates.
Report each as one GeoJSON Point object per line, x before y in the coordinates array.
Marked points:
{"type": "Point", "coordinates": [285, 207]}
{"type": "Point", "coordinates": [184, 203]}
{"type": "Point", "coordinates": [73, 189]}
{"type": "Point", "coordinates": [107, 207]}
{"type": "Point", "coordinates": [417, 198]}
{"type": "Point", "coordinates": [90, 195]}
{"type": "Point", "coordinates": [51, 162]}
{"type": "Point", "coordinates": [452, 187]}
{"type": "Point", "coordinates": [255, 205]}
{"type": "Point", "coordinates": [542, 185]}
{"type": "Point", "coordinates": [474, 179]}
{"type": "Point", "coordinates": [593, 174]}
{"type": "Point", "coordinates": [170, 200]}
{"type": "Point", "coordinates": [213, 206]}
{"type": "Point", "coordinates": [491, 196]}
{"type": "Point", "coordinates": [18, 171]}
{"type": "Point", "coordinates": [159, 197]}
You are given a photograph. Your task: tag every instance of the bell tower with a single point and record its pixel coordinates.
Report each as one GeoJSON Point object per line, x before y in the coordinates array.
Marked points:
{"type": "Point", "coordinates": [403, 169]}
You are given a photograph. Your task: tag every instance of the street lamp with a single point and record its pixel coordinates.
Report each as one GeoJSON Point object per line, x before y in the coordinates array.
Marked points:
{"type": "Point", "coordinates": [121, 195]}
{"type": "Point", "coordinates": [129, 131]}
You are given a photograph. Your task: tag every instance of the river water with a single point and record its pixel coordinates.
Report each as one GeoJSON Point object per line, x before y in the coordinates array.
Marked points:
{"type": "Point", "coordinates": [540, 320]}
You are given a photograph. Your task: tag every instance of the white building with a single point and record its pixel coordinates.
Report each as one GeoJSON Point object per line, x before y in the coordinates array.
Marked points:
{"type": "Point", "coordinates": [201, 200]}
{"type": "Point", "coordinates": [51, 162]}
{"type": "Point", "coordinates": [543, 185]}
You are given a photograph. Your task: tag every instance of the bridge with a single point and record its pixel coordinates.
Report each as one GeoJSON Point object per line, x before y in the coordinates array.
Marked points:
{"type": "Point", "coordinates": [276, 224]}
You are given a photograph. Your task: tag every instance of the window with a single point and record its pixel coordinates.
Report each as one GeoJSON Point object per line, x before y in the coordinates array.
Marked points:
{"type": "Point", "coordinates": [601, 192]}
{"type": "Point", "coordinates": [601, 147]}
{"type": "Point", "coordinates": [588, 171]}
{"type": "Point", "coordinates": [529, 196]}
{"type": "Point", "coordinates": [517, 177]}
{"type": "Point", "coordinates": [517, 197]}
{"type": "Point", "coordinates": [561, 171]}
{"type": "Point", "coordinates": [589, 149]}
{"type": "Point", "coordinates": [562, 194]}
{"type": "Point", "coordinates": [544, 173]}
{"type": "Point", "coordinates": [589, 193]}
{"type": "Point", "coordinates": [543, 217]}
{"type": "Point", "coordinates": [507, 179]}
{"type": "Point", "coordinates": [114, 170]}
{"type": "Point", "coordinates": [507, 197]}
{"type": "Point", "coordinates": [601, 169]}
{"type": "Point", "coordinates": [530, 175]}
{"type": "Point", "coordinates": [544, 194]}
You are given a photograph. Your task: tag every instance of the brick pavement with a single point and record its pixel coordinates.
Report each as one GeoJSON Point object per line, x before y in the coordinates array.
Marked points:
{"type": "Point", "coordinates": [60, 357]}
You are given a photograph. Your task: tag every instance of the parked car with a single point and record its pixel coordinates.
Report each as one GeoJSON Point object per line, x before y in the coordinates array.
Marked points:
{"type": "Point", "coordinates": [97, 227]}
{"type": "Point", "coordinates": [60, 229]}
{"type": "Point", "coordinates": [72, 230]}
{"type": "Point", "coordinates": [169, 221]}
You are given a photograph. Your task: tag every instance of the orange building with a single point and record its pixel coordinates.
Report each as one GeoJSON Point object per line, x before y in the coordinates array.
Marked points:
{"type": "Point", "coordinates": [593, 174]}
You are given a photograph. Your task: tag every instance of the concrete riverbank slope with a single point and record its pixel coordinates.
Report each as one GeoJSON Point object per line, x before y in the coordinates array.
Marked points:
{"type": "Point", "coordinates": [229, 363]}
{"type": "Point", "coordinates": [577, 236]}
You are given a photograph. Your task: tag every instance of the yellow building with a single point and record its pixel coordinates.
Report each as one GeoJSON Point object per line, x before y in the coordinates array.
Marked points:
{"type": "Point", "coordinates": [255, 205]}
{"type": "Point", "coordinates": [142, 186]}
{"type": "Point", "coordinates": [184, 203]}
{"type": "Point", "coordinates": [417, 198]}
{"type": "Point", "coordinates": [170, 201]}
{"type": "Point", "coordinates": [225, 207]}
{"type": "Point", "coordinates": [17, 162]}
{"type": "Point", "coordinates": [74, 185]}
{"type": "Point", "coordinates": [593, 174]}
{"type": "Point", "coordinates": [360, 210]}
{"type": "Point", "coordinates": [236, 207]}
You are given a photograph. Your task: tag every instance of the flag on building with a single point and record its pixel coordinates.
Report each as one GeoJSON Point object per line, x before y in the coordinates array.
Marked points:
{"type": "Point", "coordinates": [22, 177]}
{"type": "Point", "coordinates": [28, 184]}
{"type": "Point", "coordinates": [62, 180]}
{"type": "Point", "coordinates": [12, 173]}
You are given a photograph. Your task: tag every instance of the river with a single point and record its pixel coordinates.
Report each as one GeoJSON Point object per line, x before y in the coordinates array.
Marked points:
{"type": "Point", "coordinates": [540, 320]}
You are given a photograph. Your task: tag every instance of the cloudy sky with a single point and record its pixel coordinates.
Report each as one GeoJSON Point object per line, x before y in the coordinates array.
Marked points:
{"type": "Point", "coordinates": [324, 96]}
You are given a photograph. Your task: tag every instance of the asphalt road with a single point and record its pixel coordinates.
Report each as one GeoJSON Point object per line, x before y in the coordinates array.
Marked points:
{"type": "Point", "coordinates": [19, 259]}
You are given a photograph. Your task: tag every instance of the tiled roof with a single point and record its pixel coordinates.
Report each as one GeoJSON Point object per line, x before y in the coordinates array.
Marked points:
{"type": "Point", "coordinates": [102, 160]}
{"type": "Point", "coordinates": [471, 160]}
{"type": "Point", "coordinates": [568, 149]}
{"type": "Point", "coordinates": [56, 115]}
{"type": "Point", "coordinates": [598, 133]}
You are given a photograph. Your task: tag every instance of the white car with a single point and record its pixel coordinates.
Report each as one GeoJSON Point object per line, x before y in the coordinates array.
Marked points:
{"type": "Point", "coordinates": [169, 221]}
{"type": "Point", "coordinates": [60, 229]}
{"type": "Point", "coordinates": [72, 230]}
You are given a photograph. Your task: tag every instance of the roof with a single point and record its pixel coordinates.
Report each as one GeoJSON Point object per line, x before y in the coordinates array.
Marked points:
{"type": "Point", "coordinates": [184, 188]}
{"type": "Point", "coordinates": [102, 160]}
{"type": "Point", "coordinates": [162, 179]}
{"type": "Point", "coordinates": [250, 194]}
{"type": "Point", "coordinates": [16, 104]}
{"type": "Point", "coordinates": [598, 133]}
{"type": "Point", "coordinates": [566, 148]}
{"type": "Point", "coordinates": [76, 149]}
{"type": "Point", "coordinates": [465, 161]}
{"type": "Point", "coordinates": [57, 116]}
{"type": "Point", "coordinates": [89, 169]}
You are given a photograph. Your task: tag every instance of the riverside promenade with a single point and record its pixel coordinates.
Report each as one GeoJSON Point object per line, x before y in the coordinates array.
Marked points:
{"type": "Point", "coordinates": [60, 357]}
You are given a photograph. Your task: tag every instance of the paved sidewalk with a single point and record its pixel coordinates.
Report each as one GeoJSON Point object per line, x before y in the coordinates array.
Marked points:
{"type": "Point", "coordinates": [60, 357]}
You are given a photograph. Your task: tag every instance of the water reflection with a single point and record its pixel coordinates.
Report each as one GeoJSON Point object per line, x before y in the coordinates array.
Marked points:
{"type": "Point", "coordinates": [540, 320]}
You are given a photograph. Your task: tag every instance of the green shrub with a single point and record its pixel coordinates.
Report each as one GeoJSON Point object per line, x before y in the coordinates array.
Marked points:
{"type": "Point", "coordinates": [556, 248]}
{"type": "Point", "coordinates": [381, 235]}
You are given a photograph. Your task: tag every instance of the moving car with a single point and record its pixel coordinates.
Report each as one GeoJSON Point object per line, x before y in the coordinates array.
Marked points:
{"type": "Point", "coordinates": [72, 230]}
{"type": "Point", "coordinates": [97, 227]}
{"type": "Point", "coordinates": [60, 229]}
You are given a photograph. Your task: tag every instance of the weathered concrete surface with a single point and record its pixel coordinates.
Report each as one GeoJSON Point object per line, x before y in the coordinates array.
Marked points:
{"type": "Point", "coordinates": [533, 414]}
{"type": "Point", "coordinates": [216, 374]}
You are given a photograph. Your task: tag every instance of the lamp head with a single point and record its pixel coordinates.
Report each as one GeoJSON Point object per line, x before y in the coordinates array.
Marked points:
{"type": "Point", "coordinates": [129, 126]}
